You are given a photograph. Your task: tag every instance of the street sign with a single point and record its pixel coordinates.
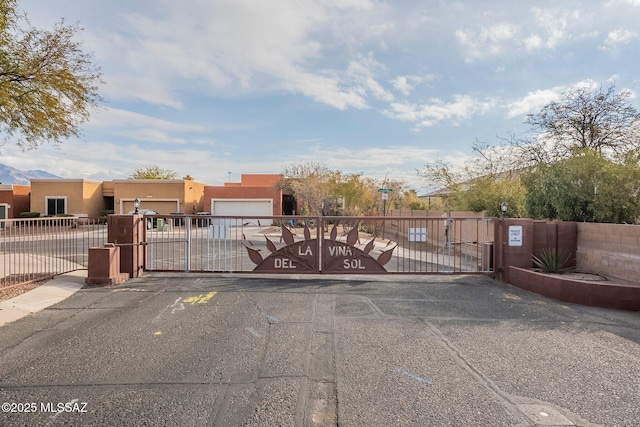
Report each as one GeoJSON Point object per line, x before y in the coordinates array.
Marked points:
{"type": "Point", "coordinates": [384, 190]}
{"type": "Point", "coordinates": [385, 196]}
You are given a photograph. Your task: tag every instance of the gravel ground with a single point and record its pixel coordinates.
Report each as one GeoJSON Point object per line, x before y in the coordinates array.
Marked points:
{"type": "Point", "coordinates": [9, 292]}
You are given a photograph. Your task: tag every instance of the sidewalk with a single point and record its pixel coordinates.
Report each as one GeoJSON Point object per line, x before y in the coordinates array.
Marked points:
{"type": "Point", "coordinates": [57, 289]}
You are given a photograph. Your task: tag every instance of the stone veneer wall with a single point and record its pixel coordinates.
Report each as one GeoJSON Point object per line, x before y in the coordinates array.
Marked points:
{"type": "Point", "coordinates": [609, 249]}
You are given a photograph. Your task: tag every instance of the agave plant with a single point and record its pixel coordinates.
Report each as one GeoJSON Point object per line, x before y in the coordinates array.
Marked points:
{"type": "Point", "coordinates": [552, 260]}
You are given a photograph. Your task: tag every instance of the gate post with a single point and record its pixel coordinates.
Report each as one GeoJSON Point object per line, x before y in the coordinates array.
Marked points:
{"type": "Point", "coordinates": [513, 245]}
{"type": "Point", "coordinates": [127, 232]}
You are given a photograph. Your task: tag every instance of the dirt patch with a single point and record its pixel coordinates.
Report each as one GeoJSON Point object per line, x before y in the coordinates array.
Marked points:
{"type": "Point", "coordinates": [585, 276]}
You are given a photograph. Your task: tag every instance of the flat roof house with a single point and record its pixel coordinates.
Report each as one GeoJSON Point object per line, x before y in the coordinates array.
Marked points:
{"type": "Point", "coordinates": [255, 194]}
{"type": "Point", "coordinates": [67, 197]}
{"type": "Point", "coordinates": [164, 196]}
{"type": "Point", "coordinates": [92, 198]}
{"type": "Point", "coordinates": [14, 199]}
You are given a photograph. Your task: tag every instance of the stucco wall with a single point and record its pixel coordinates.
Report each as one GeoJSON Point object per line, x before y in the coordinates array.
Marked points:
{"type": "Point", "coordinates": [609, 249]}
{"type": "Point", "coordinates": [161, 195]}
{"type": "Point", "coordinates": [193, 197]}
{"type": "Point", "coordinates": [82, 197]}
{"type": "Point", "coordinates": [16, 197]}
{"type": "Point", "coordinates": [260, 180]}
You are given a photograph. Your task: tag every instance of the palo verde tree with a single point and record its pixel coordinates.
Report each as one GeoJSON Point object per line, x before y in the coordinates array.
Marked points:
{"type": "Point", "coordinates": [152, 171]}
{"type": "Point", "coordinates": [47, 83]}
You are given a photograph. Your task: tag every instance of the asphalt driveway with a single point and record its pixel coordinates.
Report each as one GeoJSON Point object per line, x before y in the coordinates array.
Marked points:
{"type": "Point", "coordinates": [177, 350]}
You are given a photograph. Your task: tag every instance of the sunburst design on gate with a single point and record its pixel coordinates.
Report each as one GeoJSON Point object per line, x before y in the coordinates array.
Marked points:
{"type": "Point", "coordinates": [303, 256]}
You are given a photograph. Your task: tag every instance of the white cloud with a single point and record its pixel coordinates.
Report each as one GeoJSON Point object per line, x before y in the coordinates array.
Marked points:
{"type": "Point", "coordinates": [618, 37]}
{"type": "Point", "coordinates": [111, 118]}
{"type": "Point", "coordinates": [533, 43]}
{"type": "Point", "coordinates": [533, 102]}
{"type": "Point", "coordinates": [633, 3]}
{"type": "Point", "coordinates": [428, 115]}
{"type": "Point", "coordinates": [240, 46]}
{"type": "Point", "coordinates": [554, 25]}
{"type": "Point", "coordinates": [141, 127]}
{"type": "Point", "coordinates": [488, 41]}
{"type": "Point", "coordinates": [361, 73]}
{"type": "Point", "coordinates": [406, 84]}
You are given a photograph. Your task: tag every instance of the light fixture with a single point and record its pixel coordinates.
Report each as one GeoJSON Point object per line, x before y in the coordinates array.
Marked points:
{"type": "Point", "coordinates": [136, 205]}
{"type": "Point", "coordinates": [503, 208]}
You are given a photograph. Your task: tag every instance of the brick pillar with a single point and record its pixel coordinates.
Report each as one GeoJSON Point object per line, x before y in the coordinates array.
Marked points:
{"type": "Point", "coordinates": [127, 232]}
{"type": "Point", "coordinates": [104, 266]}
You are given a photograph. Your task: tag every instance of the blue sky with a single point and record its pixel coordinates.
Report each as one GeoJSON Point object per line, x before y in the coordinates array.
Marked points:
{"type": "Point", "coordinates": [207, 87]}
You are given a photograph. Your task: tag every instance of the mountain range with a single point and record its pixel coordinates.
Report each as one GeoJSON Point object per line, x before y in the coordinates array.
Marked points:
{"type": "Point", "coordinates": [9, 175]}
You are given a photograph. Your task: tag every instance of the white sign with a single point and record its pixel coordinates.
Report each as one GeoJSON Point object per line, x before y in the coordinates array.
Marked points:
{"type": "Point", "coordinates": [385, 196]}
{"type": "Point", "coordinates": [417, 234]}
{"type": "Point", "coordinates": [515, 235]}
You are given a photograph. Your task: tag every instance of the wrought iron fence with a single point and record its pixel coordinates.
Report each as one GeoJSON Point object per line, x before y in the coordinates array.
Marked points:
{"type": "Point", "coordinates": [296, 244]}
{"type": "Point", "coordinates": [37, 248]}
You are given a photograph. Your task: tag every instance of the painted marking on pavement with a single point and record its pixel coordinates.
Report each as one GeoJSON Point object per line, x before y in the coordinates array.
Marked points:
{"type": "Point", "coordinates": [200, 299]}
{"type": "Point", "coordinates": [253, 332]}
{"type": "Point", "coordinates": [176, 306]}
{"type": "Point", "coordinates": [415, 377]}
{"type": "Point", "coordinates": [57, 414]}
{"type": "Point", "coordinates": [270, 318]}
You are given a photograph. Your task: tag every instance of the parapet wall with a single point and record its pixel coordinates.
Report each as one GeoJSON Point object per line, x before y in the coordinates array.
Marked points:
{"type": "Point", "coordinates": [609, 249]}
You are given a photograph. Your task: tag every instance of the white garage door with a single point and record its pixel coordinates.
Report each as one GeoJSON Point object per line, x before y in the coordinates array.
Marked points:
{"type": "Point", "coordinates": [242, 208]}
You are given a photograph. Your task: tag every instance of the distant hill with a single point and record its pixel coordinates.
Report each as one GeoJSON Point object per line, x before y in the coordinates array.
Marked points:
{"type": "Point", "coordinates": [9, 175]}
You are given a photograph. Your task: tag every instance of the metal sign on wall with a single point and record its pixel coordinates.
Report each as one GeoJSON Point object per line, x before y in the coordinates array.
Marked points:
{"type": "Point", "coordinates": [339, 255]}
{"type": "Point", "coordinates": [515, 235]}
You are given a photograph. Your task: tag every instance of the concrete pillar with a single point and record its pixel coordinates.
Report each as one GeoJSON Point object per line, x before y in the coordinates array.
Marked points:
{"type": "Point", "coordinates": [127, 232]}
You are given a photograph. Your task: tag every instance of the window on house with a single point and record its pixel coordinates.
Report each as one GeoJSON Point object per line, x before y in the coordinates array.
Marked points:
{"type": "Point", "coordinates": [56, 206]}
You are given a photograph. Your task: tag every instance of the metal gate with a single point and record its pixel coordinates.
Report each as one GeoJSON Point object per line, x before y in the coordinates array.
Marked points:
{"type": "Point", "coordinates": [303, 244]}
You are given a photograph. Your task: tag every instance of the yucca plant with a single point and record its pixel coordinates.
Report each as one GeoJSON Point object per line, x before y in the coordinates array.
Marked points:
{"type": "Point", "coordinates": [552, 260]}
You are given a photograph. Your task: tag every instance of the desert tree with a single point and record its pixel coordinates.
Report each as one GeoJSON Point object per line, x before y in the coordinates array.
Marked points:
{"type": "Point", "coordinates": [311, 183]}
{"type": "Point", "coordinates": [48, 83]}
{"type": "Point", "coordinates": [152, 171]}
{"type": "Point", "coordinates": [585, 187]}
{"type": "Point", "coordinates": [601, 120]}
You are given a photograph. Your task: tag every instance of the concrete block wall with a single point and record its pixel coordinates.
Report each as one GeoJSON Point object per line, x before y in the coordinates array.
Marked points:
{"type": "Point", "coordinates": [609, 249]}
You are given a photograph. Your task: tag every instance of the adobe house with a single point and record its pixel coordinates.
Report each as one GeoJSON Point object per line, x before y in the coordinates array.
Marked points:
{"type": "Point", "coordinates": [67, 196]}
{"type": "Point", "coordinates": [255, 194]}
{"type": "Point", "coordinates": [164, 196]}
{"type": "Point", "coordinates": [14, 199]}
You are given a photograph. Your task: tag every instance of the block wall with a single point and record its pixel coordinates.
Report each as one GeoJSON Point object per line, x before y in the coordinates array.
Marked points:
{"type": "Point", "coordinates": [609, 249]}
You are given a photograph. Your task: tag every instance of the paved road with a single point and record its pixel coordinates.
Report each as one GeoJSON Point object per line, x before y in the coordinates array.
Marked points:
{"type": "Point", "coordinates": [177, 350]}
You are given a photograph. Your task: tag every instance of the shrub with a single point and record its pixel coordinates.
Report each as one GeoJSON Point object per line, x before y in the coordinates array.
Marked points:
{"type": "Point", "coordinates": [29, 214]}
{"type": "Point", "coordinates": [552, 260]}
